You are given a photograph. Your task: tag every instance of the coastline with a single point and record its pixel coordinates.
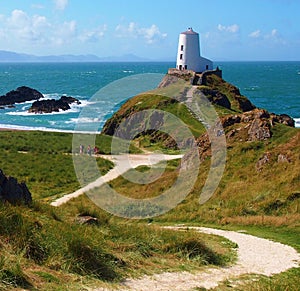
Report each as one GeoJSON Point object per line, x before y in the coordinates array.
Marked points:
{"type": "Point", "coordinates": [4, 127]}
{"type": "Point", "coordinates": [11, 127]}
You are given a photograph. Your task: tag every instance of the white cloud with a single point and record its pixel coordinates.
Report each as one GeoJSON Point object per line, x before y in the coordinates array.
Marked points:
{"type": "Point", "coordinates": [60, 4]}
{"type": "Point", "coordinates": [18, 19]}
{"type": "Point", "coordinates": [255, 34]}
{"type": "Point", "coordinates": [231, 28]}
{"type": "Point", "coordinates": [93, 35]}
{"type": "Point", "coordinates": [20, 26]}
{"type": "Point", "coordinates": [64, 33]}
{"type": "Point", "coordinates": [269, 37]}
{"type": "Point", "coordinates": [222, 37]}
{"type": "Point", "coordinates": [126, 31]}
{"type": "Point", "coordinates": [274, 32]}
{"type": "Point", "coordinates": [37, 6]}
{"type": "Point", "coordinates": [150, 34]}
{"type": "Point", "coordinates": [21, 30]}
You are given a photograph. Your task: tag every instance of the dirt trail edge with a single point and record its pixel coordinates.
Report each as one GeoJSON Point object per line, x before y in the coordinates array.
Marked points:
{"type": "Point", "coordinates": [255, 256]}
{"type": "Point", "coordinates": [123, 163]}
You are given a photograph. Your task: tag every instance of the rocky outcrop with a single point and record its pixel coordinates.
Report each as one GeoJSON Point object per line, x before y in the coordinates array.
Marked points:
{"type": "Point", "coordinates": [87, 220]}
{"type": "Point", "coordinates": [253, 125]}
{"type": "Point", "coordinates": [52, 105]}
{"type": "Point", "coordinates": [265, 159]}
{"type": "Point", "coordinates": [216, 97]}
{"type": "Point", "coordinates": [211, 84]}
{"type": "Point", "coordinates": [284, 119]}
{"type": "Point", "coordinates": [245, 123]}
{"type": "Point", "coordinates": [12, 191]}
{"type": "Point", "coordinates": [20, 95]}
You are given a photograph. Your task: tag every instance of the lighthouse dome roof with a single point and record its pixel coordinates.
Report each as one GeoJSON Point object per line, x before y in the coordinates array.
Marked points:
{"type": "Point", "coordinates": [189, 31]}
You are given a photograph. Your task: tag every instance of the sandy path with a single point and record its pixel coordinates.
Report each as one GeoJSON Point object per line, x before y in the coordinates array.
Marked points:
{"type": "Point", "coordinates": [255, 255]}
{"type": "Point", "coordinates": [123, 163]}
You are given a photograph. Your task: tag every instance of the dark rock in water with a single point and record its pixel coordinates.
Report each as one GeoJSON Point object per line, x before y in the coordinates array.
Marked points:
{"type": "Point", "coordinates": [12, 191]}
{"type": "Point", "coordinates": [20, 95]}
{"type": "Point", "coordinates": [69, 100]}
{"type": "Point", "coordinates": [52, 105]}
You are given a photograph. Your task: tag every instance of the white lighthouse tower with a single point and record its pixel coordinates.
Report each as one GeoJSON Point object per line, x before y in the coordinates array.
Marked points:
{"type": "Point", "coordinates": [188, 54]}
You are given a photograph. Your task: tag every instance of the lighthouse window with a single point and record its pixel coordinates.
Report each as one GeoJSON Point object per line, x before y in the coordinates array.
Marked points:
{"type": "Point", "coordinates": [181, 56]}
{"type": "Point", "coordinates": [182, 47]}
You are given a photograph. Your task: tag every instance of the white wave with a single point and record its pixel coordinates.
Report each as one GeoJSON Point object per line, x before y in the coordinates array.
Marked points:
{"type": "Point", "coordinates": [26, 113]}
{"type": "Point", "coordinates": [84, 120]}
{"type": "Point", "coordinates": [82, 103]}
{"type": "Point", "coordinates": [297, 122]}
{"type": "Point", "coordinates": [51, 96]}
{"type": "Point", "coordinates": [26, 107]}
{"type": "Point", "coordinates": [128, 71]}
{"type": "Point", "coordinates": [252, 88]}
{"type": "Point", "coordinates": [32, 128]}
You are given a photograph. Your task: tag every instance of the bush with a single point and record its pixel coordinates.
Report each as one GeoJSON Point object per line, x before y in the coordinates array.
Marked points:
{"type": "Point", "coordinates": [36, 248]}
{"type": "Point", "coordinates": [13, 276]}
{"type": "Point", "coordinates": [90, 259]}
{"type": "Point", "coordinates": [195, 249]}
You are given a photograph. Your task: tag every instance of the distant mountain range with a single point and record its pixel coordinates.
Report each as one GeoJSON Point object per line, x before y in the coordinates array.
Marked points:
{"type": "Point", "coordinates": [8, 56]}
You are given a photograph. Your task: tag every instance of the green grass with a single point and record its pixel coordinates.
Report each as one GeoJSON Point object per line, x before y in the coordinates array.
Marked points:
{"type": "Point", "coordinates": [148, 190]}
{"type": "Point", "coordinates": [45, 248]}
{"type": "Point", "coordinates": [42, 247]}
{"type": "Point", "coordinates": [44, 161]}
{"type": "Point", "coordinates": [176, 120]}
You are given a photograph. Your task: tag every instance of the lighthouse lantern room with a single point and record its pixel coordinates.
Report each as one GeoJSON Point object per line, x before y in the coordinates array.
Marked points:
{"type": "Point", "coordinates": [188, 54]}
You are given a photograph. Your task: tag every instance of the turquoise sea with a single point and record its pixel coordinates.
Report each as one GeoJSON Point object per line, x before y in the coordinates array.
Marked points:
{"type": "Point", "coordinates": [274, 86]}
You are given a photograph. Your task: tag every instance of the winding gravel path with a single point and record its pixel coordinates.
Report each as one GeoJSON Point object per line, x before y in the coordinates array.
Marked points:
{"type": "Point", "coordinates": [123, 163]}
{"type": "Point", "coordinates": [255, 255]}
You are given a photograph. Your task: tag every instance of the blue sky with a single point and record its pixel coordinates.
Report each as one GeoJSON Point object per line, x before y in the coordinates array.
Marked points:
{"type": "Point", "coordinates": [229, 29]}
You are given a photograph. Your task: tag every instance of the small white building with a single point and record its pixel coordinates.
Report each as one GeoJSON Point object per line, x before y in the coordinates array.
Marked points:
{"type": "Point", "coordinates": [188, 54]}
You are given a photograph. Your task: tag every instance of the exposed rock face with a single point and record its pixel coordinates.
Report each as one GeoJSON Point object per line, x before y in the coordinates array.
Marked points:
{"type": "Point", "coordinates": [52, 105]}
{"type": "Point", "coordinates": [20, 95]}
{"type": "Point", "coordinates": [284, 119]}
{"type": "Point", "coordinates": [254, 125]}
{"type": "Point", "coordinates": [87, 219]}
{"type": "Point", "coordinates": [265, 159]}
{"type": "Point", "coordinates": [12, 191]}
{"type": "Point", "coordinates": [216, 97]}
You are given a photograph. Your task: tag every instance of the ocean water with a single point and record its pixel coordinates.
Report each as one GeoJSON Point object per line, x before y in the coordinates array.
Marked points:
{"type": "Point", "coordinates": [274, 86]}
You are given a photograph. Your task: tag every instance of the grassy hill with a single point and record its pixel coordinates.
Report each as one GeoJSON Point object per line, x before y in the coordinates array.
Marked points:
{"type": "Point", "coordinates": [47, 248]}
{"type": "Point", "coordinates": [261, 181]}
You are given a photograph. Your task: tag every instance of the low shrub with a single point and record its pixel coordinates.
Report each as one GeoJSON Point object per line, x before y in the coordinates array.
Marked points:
{"type": "Point", "coordinates": [90, 259]}
{"type": "Point", "coordinates": [194, 249]}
